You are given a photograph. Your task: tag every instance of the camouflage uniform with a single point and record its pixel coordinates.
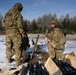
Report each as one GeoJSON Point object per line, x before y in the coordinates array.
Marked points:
{"type": "Point", "coordinates": [13, 22]}
{"type": "Point", "coordinates": [56, 44]}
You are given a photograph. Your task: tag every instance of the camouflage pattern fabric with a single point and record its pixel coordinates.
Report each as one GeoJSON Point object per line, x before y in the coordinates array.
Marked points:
{"type": "Point", "coordinates": [7, 21]}
{"type": "Point", "coordinates": [56, 44]}
{"type": "Point", "coordinates": [14, 29]}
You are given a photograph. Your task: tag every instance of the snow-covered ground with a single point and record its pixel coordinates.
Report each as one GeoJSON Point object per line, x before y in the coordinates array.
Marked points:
{"type": "Point", "coordinates": [70, 46]}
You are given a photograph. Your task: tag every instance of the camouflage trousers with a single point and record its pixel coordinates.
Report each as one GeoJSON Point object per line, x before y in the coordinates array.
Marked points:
{"type": "Point", "coordinates": [55, 53]}
{"type": "Point", "coordinates": [14, 36]}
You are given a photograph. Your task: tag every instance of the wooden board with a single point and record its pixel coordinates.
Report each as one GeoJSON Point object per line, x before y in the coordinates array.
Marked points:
{"type": "Point", "coordinates": [70, 59]}
{"type": "Point", "coordinates": [52, 68]}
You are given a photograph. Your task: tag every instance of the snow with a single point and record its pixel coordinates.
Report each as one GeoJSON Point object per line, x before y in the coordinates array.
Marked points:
{"type": "Point", "coordinates": [70, 46]}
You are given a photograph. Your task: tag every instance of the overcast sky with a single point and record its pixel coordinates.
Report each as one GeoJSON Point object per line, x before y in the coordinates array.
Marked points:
{"type": "Point", "coordinates": [35, 8]}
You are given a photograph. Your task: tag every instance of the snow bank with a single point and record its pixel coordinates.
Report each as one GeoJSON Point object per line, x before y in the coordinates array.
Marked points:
{"type": "Point", "coordinates": [70, 46]}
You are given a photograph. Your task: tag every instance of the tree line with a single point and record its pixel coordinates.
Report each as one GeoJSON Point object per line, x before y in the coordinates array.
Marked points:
{"type": "Point", "coordinates": [42, 23]}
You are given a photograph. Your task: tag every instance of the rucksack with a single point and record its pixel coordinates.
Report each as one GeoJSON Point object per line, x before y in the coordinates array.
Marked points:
{"type": "Point", "coordinates": [8, 19]}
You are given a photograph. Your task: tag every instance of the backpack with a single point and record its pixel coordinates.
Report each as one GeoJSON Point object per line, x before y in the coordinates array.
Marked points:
{"type": "Point", "coordinates": [8, 19]}
{"type": "Point", "coordinates": [25, 43]}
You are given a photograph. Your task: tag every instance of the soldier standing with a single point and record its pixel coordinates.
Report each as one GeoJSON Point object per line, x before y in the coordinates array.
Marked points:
{"type": "Point", "coordinates": [57, 41]}
{"type": "Point", "coordinates": [13, 22]}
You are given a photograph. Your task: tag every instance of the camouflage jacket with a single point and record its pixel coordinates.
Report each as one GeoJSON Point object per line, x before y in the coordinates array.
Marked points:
{"type": "Point", "coordinates": [57, 38]}
{"type": "Point", "coordinates": [13, 20]}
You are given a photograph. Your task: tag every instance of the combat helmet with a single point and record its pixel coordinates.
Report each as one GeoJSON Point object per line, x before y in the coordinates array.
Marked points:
{"type": "Point", "coordinates": [55, 22]}
{"type": "Point", "coordinates": [18, 6]}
